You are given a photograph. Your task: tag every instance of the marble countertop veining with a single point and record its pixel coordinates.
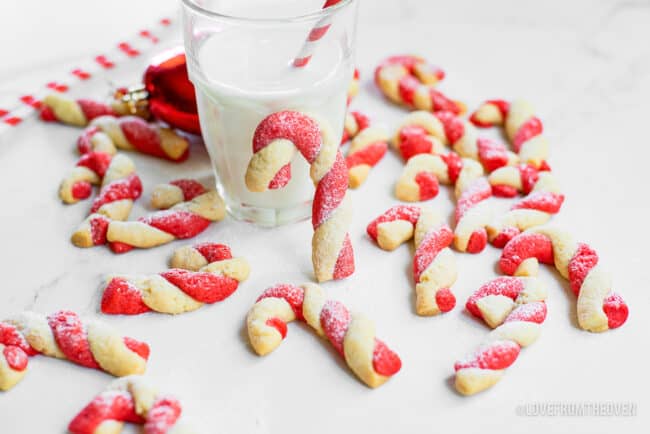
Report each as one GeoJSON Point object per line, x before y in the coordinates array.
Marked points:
{"type": "Point", "coordinates": [585, 65]}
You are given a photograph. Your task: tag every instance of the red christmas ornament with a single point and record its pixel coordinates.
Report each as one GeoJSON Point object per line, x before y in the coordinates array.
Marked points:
{"type": "Point", "coordinates": [171, 93]}
{"type": "Point", "coordinates": [166, 94]}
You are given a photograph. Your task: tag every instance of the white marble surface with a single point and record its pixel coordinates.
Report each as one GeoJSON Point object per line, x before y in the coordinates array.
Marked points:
{"type": "Point", "coordinates": [586, 67]}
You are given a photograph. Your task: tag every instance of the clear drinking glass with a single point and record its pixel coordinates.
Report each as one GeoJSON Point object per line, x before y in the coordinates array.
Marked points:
{"type": "Point", "coordinates": [240, 58]}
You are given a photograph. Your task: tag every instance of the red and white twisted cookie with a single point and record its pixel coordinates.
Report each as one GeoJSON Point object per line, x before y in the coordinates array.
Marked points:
{"type": "Point", "coordinates": [514, 307]}
{"type": "Point", "coordinates": [599, 308]}
{"type": "Point", "coordinates": [56, 107]}
{"type": "Point", "coordinates": [522, 127]}
{"type": "Point", "coordinates": [351, 334]}
{"type": "Point", "coordinates": [353, 87]}
{"type": "Point", "coordinates": [355, 122]}
{"type": "Point", "coordinates": [366, 150]}
{"type": "Point", "coordinates": [64, 335]}
{"type": "Point", "coordinates": [543, 199]}
{"type": "Point", "coordinates": [419, 181]}
{"type": "Point", "coordinates": [120, 184]}
{"type": "Point", "coordinates": [202, 274]}
{"type": "Point", "coordinates": [434, 264]}
{"type": "Point", "coordinates": [409, 81]}
{"type": "Point", "coordinates": [131, 133]}
{"type": "Point", "coordinates": [165, 196]}
{"type": "Point", "coordinates": [269, 168]}
{"type": "Point", "coordinates": [422, 132]}
{"type": "Point", "coordinates": [131, 399]}
{"type": "Point", "coordinates": [183, 220]}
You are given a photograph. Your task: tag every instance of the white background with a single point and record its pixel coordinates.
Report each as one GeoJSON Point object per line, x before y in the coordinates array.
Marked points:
{"type": "Point", "coordinates": [585, 65]}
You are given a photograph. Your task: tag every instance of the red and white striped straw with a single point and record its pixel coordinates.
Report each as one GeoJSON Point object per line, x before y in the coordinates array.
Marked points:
{"type": "Point", "coordinates": [315, 35]}
{"type": "Point", "coordinates": [28, 104]}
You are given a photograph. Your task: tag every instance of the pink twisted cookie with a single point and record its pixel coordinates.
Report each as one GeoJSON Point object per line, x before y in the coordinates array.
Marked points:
{"type": "Point", "coordinates": [409, 81]}
{"type": "Point", "coordinates": [183, 220]}
{"type": "Point", "coordinates": [419, 181]}
{"type": "Point", "coordinates": [543, 199]}
{"type": "Point", "coordinates": [204, 273]}
{"type": "Point", "coordinates": [64, 335]}
{"type": "Point", "coordinates": [351, 334]}
{"type": "Point", "coordinates": [366, 150]}
{"type": "Point", "coordinates": [131, 133]}
{"type": "Point", "coordinates": [353, 88]}
{"type": "Point", "coordinates": [56, 107]}
{"type": "Point", "coordinates": [514, 307]}
{"type": "Point", "coordinates": [434, 264]}
{"type": "Point", "coordinates": [522, 127]}
{"type": "Point", "coordinates": [599, 308]}
{"type": "Point", "coordinates": [120, 184]}
{"type": "Point", "coordinates": [165, 196]}
{"type": "Point", "coordinates": [269, 168]}
{"type": "Point", "coordinates": [130, 399]}
{"type": "Point", "coordinates": [355, 122]}
{"type": "Point", "coordinates": [422, 132]}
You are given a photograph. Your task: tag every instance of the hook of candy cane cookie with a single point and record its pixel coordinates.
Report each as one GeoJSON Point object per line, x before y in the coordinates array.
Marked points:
{"type": "Point", "coordinates": [409, 81]}
{"type": "Point", "coordinates": [419, 181]}
{"type": "Point", "coordinates": [130, 399]}
{"type": "Point", "coordinates": [274, 141]}
{"type": "Point", "coordinates": [183, 220]}
{"type": "Point", "coordinates": [543, 199]}
{"type": "Point", "coordinates": [598, 308]}
{"type": "Point", "coordinates": [434, 264]}
{"type": "Point", "coordinates": [64, 335]}
{"type": "Point", "coordinates": [120, 184]}
{"type": "Point", "coordinates": [355, 122]}
{"type": "Point", "coordinates": [351, 334]}
{"type": "Point", "coordinates": [131, 133]}
{"type": "Point", "coordinates": [422, 132]}
{"type": "Point", "coordinates": [515, 308]}
{"type": "Point", "coordinates": [202, 274]}
{"type": "Point", "coordinates": [366, 150]}
{"type": "Point", "coordinates": [166, 195]}
{"type": "Point", "coordinates": [80, 112]}
{"type": "Point", "coordinates": [522, 127]}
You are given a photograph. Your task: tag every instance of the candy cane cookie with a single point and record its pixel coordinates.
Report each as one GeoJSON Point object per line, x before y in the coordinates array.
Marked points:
{"type": "Point", "coordinates": [183, 220]}
{"type": "Point", "coordinates": [419, 181]}
{"type": "Point", "coordinates": [351, 334]}
{"type": "Point", "coordinates": [202, 274]}
{"type": "Point", "coordinates": [515, 308]}
{"type": "Point", "coordinates": [353, 87]}
{"type": "Point", "coordinates": [130, 399]}
{"type": "Point", "coordinates": [120, 184]}
{"type": "Point", "coordinates": [366, 150]}
{"type": "Point", "coordinates": [522, 127]}
{"type": "Point", "coordinates": [543, 199]}
{"type": "Point", "coordinates": [422, 132]}
{"type": "Point", "coordinates": [79, 112]}
{"type": "Point", "coordinates": [131, 133]}
{"type": "Point", "coordinates": [434, 264]}
{"type": "Point", "coordinates": [355, 122]}
{"type": "Point", "coordinates": [166, 195]}
{"type": "Point", "coordinates": [598, 308]}
{"type": "Point", "coordinates": [274, 141]}
{"type": "Point", "coordinates": [409, 81]}
{"type": "Point", "coordinates": [64, 335]}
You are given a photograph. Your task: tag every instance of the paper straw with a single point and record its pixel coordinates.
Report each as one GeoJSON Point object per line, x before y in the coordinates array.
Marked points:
{"type": "Point", "coordinates": [316, 34]}
{"type": "Point", "coordinates": [28, 104]}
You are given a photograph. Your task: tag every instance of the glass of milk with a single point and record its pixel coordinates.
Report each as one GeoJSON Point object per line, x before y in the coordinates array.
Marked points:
{"type": "Point", "coordinates": [240, 57]}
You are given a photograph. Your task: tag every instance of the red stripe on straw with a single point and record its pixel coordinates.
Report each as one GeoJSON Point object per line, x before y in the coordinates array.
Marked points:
{"type": "Point", "coordinates": [318, 33]}
{"type": "Point", "coordinates": [3, 113]}
{"type": "Point", "coordinates": [30, 100]}
{"type": "Point", "coordinates": [104, 62]}
{"type": "Point", "coordinates": [59, 87]}
{"type": "Point", "coordinates": [301, 62]}
{"type": "Point", "coordinates": [13, 121]}
{"type": "Point", "coordinates": [81, 74]}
